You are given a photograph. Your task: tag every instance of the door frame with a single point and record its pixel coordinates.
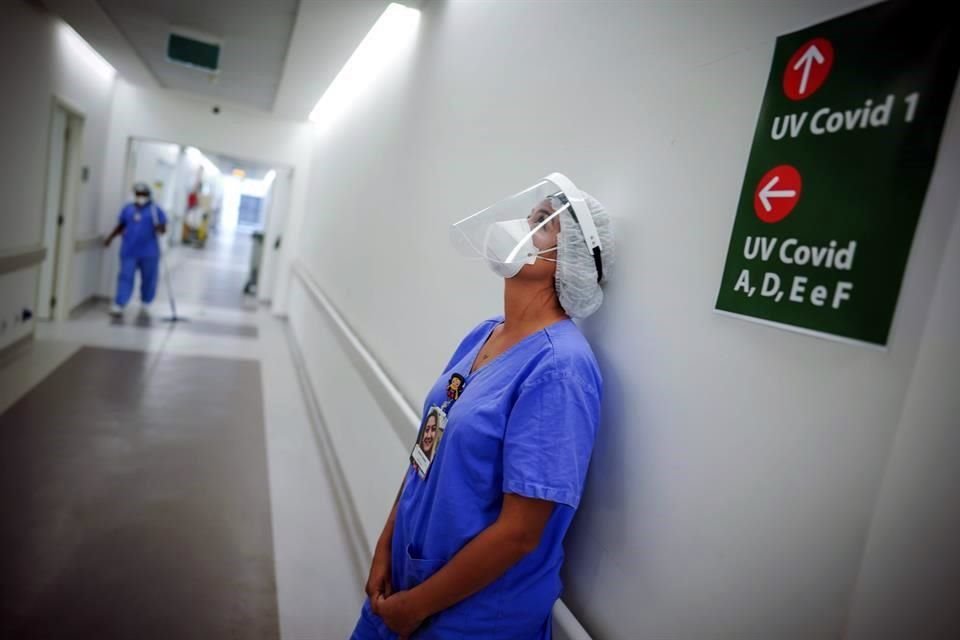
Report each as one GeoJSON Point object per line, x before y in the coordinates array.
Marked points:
{"type": "Point", "coordinates": [57, 145]}
{"type": "Point", "coordinates": [62, 249]}
{"type": "Point", "coordinates": [70, 190]}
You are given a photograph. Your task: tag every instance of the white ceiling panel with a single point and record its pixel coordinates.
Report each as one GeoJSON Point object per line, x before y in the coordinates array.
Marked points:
{"type": "Point", "coordinates": [278, 56]}
{"type": "Point", "coordinates": [255, 35]}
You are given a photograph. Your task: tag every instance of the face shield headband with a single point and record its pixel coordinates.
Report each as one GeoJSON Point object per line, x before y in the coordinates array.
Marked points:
{"type": "Point", "coordinates": [570, 196]}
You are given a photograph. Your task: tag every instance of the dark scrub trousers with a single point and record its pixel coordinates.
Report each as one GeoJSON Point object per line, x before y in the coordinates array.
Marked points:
{"type": "Point", "coordinates": [140, 251]}
{"type": "Point", "coordinates": [524, 424]}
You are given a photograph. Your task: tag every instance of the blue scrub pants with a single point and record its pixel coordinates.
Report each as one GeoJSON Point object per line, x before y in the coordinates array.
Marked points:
{"type": "Point", "coordinates": [149, 269]}
{"type": "Point", "coordinates": [371, 627]}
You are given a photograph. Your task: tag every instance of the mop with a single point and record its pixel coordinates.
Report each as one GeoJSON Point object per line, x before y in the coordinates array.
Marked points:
{"type": "Point", "coordinates": [173, 317]}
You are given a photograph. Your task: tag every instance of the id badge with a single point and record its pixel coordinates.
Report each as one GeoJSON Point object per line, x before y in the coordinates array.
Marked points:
{"type": "Point", "coordinates": [428, 440]}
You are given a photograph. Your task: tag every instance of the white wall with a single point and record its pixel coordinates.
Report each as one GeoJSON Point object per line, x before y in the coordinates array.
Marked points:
{"type": "Point", "coordinates": [909, 585]}
{"type": "Point", "coordinates": [146, 113]}
{"type": "Point", "coordinates": [276, 226]}
{"type": "Point", "coordinates": [85, 275]}
{"type": "Point", "coordinates": [155, 163]}
{"type": "Point", "coordinates": [19, 290]}
{"type": "Point", "coordinates": [738, 467]}
{"type": "Point", "coordinates": [44, 63]}
{"type": "Point", "coordinates": [350, 416]}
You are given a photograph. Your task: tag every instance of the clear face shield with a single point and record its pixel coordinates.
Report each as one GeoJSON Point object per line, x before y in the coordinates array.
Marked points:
{"type": "Point", "coordinates": [525, 227]}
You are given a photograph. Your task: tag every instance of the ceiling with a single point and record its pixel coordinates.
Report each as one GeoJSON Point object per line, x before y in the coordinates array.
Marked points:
{"type": "Point", "coordinates": [255, 38]}
{"type": "Point", "coordinates": [226, 164]}
{"type": "Point", "coordinates": [278, 56]}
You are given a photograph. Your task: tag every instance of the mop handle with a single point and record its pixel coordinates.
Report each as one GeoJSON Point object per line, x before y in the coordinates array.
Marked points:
{"type": "Point", "coordinates": [166, 269]}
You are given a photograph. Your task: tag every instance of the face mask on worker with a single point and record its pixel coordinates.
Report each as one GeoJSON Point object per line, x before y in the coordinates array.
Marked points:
{"type": "Point", "coordinates": [141, 200]}
{"type": "Point", "coordinates": [509, 245]}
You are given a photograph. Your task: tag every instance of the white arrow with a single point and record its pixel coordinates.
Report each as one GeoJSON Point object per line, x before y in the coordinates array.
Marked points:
{"type": "Point", "coordinates": [766, 193]}
{"type": "Point", "coordinates": [811, 55]}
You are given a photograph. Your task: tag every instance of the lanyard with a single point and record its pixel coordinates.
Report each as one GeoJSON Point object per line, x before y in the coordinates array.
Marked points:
{"type": "Point", "coordinates": [422, 457]}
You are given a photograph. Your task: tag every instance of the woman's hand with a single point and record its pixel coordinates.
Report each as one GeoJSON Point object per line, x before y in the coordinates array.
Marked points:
{"type": "Point", "coordinates": [399, 613]}
{"type": "Point", "coordinates": [378, 582]}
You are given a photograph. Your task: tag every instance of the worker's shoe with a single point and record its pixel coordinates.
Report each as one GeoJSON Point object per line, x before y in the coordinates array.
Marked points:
{"type": "Point", "coordinates": [116, 311]}
{"type": "Point", "coordinates": [145, 309]}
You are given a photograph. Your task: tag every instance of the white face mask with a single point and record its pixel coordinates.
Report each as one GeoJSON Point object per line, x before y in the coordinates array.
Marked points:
{"type": "Point", "coordinates": [508, 246]}
{"type": "Point", "coordinates": [141, 200]}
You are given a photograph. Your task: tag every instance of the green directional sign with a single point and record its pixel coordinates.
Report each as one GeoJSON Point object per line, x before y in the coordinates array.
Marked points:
{"type": "Point", "coordinates": [845, 143]}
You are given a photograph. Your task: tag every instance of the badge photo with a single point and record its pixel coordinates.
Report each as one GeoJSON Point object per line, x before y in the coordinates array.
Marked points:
{"type": "Point", "coordinates": [428, 440]}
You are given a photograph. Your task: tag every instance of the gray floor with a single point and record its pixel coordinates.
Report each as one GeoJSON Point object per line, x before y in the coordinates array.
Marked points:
{"type": "Point", "coordinates": [137, 501]}
{"type": "Point", "coordinates": [216, 275]}
{"type": "Point", "coordinates": [57, 591]}
{"type": "Point", "coordinates": [185, 322]}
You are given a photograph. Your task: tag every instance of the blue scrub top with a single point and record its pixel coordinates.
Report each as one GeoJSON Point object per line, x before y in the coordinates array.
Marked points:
{"type": "Point", "coordinates": [139, 237]}
{"type": "Point", "coordinates": [524, 424]}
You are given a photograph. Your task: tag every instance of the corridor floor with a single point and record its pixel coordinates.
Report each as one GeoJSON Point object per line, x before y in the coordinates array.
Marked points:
{"type": "Point", "coordinates": [163, 480]}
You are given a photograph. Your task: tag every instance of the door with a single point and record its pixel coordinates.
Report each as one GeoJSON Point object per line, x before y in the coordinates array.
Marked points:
{"type": "Point", "coordinates": [53, 211]}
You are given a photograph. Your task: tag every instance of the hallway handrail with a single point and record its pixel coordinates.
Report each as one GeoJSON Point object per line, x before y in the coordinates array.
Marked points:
{"type": "Point", "coordinates": [22, 259]}
{"type": "Point", "coordinates": [85, 244]}
{"type": "Point", "coordinates": [398, 407]}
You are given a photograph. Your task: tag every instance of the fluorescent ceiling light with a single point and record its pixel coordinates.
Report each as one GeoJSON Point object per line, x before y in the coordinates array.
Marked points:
{"type": "Point", "coordinates": [392, 31]}
{"type": "Point", "coordinates": [83, 49]}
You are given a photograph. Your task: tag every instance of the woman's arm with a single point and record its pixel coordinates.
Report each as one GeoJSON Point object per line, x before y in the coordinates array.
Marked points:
{"type": "Point", "coordinates": [113, 234]}
{"type": "Point", "coordinates": [515, 533]}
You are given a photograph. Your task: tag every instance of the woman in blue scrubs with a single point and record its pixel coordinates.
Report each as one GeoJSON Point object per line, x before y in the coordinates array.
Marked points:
{"type": "Point", "coordinates": [140, 222]}
{"type": "Point", "coordinates": [473, 545]}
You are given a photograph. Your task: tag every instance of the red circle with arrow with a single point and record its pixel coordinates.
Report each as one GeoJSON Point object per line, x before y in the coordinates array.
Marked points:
{"type": "Point", "coordinates": [808, 69]}
{"type": "Point", "coordinates": [777, 193]}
